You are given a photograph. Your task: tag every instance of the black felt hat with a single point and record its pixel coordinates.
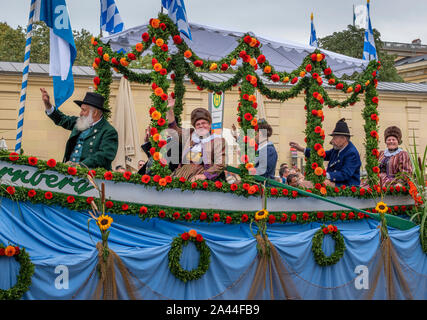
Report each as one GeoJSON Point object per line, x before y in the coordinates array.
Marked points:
{"type": "Point", "coordinates": [93, 99]}
{"type": "Point", "coordinates": [341, 129]}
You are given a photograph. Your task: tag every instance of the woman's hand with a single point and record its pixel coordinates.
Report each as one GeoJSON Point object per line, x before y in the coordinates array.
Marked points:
{"type": "Point", "coordinates": [198, 177]}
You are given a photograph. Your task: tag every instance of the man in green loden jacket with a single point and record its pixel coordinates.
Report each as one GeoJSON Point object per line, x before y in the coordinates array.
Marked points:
{"type": "Point", "coordinates": [93, 141]}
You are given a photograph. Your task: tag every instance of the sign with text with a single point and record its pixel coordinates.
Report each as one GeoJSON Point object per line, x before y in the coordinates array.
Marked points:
{"type": "Point", "coordinates": [216, 108]}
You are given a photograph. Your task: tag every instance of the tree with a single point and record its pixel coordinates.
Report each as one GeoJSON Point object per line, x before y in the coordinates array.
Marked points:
{"type": "Point", "coordinates": [350, 43]}
{"type": "Point", "coordinates": [12, 43]}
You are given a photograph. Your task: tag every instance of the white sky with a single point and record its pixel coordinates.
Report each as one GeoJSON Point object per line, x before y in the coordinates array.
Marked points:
{"type": "Point", "coordinates": [397, 20]}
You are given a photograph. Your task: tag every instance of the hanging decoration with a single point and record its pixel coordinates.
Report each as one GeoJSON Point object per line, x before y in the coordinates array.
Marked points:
{"type": "Point", "coordinates": [319, 255]}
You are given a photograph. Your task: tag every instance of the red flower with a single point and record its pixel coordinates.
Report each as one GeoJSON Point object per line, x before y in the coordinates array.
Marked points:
{"type": "Point", "coordinates": [145, 37]}
{"type": "Point", "coordinates": [109, 204]}
{"type": "Point", "coordinates": [360, 215]}
{"type": "Point", "coordinates": [245, 217]}
{"type": "Point", "coordinates": [224, 67]}
{"type": "Point", "coordinates": [203, 216]}
{"type": "Point", "coordinates": [325, 230]}
{"type": "Point", "coordinates": [285, 192]}
{"type": "Point", "coordinates": [108, 175]}
{"type": "Point", "coordinates": [125, 207]}
{"type": "Point", "coordinates": [156, 178]}
{"type": "Point", "coordinates": [10, 190]}
{"type": "Point", "coordinates": [182, 179]}
{"type": "Point", "coordinates": [91, 173]}
{"type": "Point", "coordinates": [114, 61]}
{"type": "Point", "coordinates": [335, 229]}
{"type": "Point", "coordinates": [305, 216]}
{"type": "Point", "coordinates": [177, 39]}
{"type": "Point", "coordinates": [327, 71]}
{"type": "Point", "coordinates": [32, 193]}
{"type": "Point", "coordinates": [89, 200]}
{"type": "Point", "coordinates": [199, 238]}
{"type": "Point", "coordinates": [162, 214]}
{"type": "Point", "coordinates": [284, 217]}
{"type": "Point", "coordinates": [343, 215]}
{"type": "Point", "coordinates": [245, 96]}
{"type": "Point", "coordinates": [163, 71]}
{"type": "Point", "coordinates": [315, 75]}
{"type": "Point", "coordinates": [96, 81]}
{"type": "Point", "coordinates": [13, 156]}
{"type": "Point", "coordinates": [275, 77]}
{"type": "Point", "coordinates": [271, 219]}
{"type": "Point", "coordinates": [334, 215]}
{"type": "Point", "coordinates": [216, 217]}
{"type": "Point", "coordinates": [274, 191]}
{"type": "Point", "coordinates": [145, 178]}
{"type": "Point", "coordinates": [248, 116]}
{"type": "Point", "coordinates": [168, 179]}
{"type": "Point", "coordinates": [131, 56]}
{"type": "Point", "coordinates": [351, 215]}
{"type": "Point", "coordinates": [375, 100]}
{"type": "Point", "coordinates": [308, 67]}
{"type": "Point", "coordinates": [164, 47]}
{"type": "Point", "coordinates": [127, 175]}
{"type": "Point", "coordinates": [194, 185]}
{"type": "Point", "coordinates": [2, 252]}
{"type": "Point", "coordinates": [187, 216]}
{"type": "Point", "coordinates": [261, 59]}
{"type": "Point", "coordinates": [320, 215]}
{"type": "Point", "coordinates": [397, 188]}
{"type": "Point", "coordinates": [48, 195]}
{"type": "Point", "coordinates": [318, 129]}
{"type": "Point", "coordinates": [314, 165]}
{"type": "Point", "coordinates": [17, 250]}
{"type": "Point", "coordinates": [198, 63]}
{"type": "Point", "coordinates": [205, 184]}
{"type": "Point", "coordinates": [99, 49]}
{"type": "Point", "coordinates": [233, 187]}
{"type": "Point", "coordinates": [228, 219]}
{"type": "Point", "coordinates": [185, 236]}
{"type": "Point", "coordinates": [339, 86]}
{"type": "Point", "coordinates": [51, 163]}
{"type": "Point", "coordinates": [218, 184]}
{"type": "Point", "coordinates": [353, 189]}
{"type": "Point", "coordinates": [71, 199]}
{"type": "Point", "coordinates": [374, 117]}
{"type": "Point", "coordinates": [294, 194]}
{"type": "Point", "coordinates": [32, 161]}
{"type": "Point", "coordinates": [337, 190]}
{"type": "Point", "coordinates": [343, 186]}
{"type": "Point", "coordinates": [293, 217]}
{"type": "Point", "coordinates": [376, 169]}
{"type": "Point", "coordinates": [143, 210]}
{"type": "Point", "coordinates": [362, 191]}
{"type": "Point", "coordinates": [176, 215]}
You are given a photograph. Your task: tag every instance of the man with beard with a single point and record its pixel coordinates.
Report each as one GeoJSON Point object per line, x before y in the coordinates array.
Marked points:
{"type": "Point", "coordinates": [93, 141]}
{"type": "Point", "coordinates": [344, 159]}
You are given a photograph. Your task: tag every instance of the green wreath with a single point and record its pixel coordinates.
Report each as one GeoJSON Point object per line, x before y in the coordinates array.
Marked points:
{"type": "Point", "coordinates": [319, 255]}
{"type": "Point", "coordinates": [175, 257]}
{"type": "Point", "coordinates": [26, 271]}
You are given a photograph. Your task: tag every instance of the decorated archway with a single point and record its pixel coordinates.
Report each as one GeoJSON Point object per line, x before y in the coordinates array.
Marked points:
{"type": "Point", "coordinates": [309, 77]}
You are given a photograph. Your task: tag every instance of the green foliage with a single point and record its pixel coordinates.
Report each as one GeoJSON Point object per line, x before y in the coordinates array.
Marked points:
{"type": "Point", "coordinates": [12, 44]}
{"type": "Point", "coordinates": [350, 43]}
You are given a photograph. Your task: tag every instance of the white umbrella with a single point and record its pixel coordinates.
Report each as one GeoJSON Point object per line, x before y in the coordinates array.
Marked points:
{"type": "Point", "coordinates": [124, 120]}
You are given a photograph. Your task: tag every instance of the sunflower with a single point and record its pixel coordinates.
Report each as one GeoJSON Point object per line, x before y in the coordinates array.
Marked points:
{"type": "Point", "coordinates": [261, 214]}
{"type": "Point", "coordinates": [381, 207]}
{"type": "Point", "coordinates": [104, 222]}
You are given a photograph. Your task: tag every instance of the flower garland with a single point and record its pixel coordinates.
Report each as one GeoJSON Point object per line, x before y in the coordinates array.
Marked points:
{"type": "Point", "coordinates": [319, 256]}
{"type": "Point", "coordinates": [176, 251]}
{"type": "Point", "coordinates": [26, 271]}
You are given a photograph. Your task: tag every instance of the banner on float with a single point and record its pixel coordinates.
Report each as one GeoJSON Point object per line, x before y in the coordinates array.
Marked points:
{"type": "Point", "coordinates": [216, 108]}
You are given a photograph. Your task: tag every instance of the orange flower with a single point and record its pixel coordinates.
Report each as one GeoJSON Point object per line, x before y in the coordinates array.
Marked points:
{"type": "Point", "coordinates": [367, 83]}
{"type": "Point", "coordinates": [249, 165]}
{"type": "Point", "coordinates": [330, 228]}
{"type": "Point", "coordinates": [157, 67]}
{"type": "Point", "coordinates": [106, 57]}
{"type": "Point", "coordinates": [157, 156]}
{"type": "Point", "coordinates": [156, 137]}
{"type": "Point", "coordinates": [124, 62]}
{"type": "Point", "coordinates": [159, 42]}
{"type": "Point", "coordinates": [155, 23]}
{"type": "Point", "coordinates": [156, 115]}
{"type": "Point", "coordinates": [267, 69]}
{"type": "Point", "coordinates": [323, 190]}
{"type": "Point", "coordinates": [253, 42]}
{"type": "Point", "coordinates": [302, 74]}
{"type": "Point", "coordinates": [252, 171]}
{"type": "Point", "coordinates": [158, 91]}
{"type": "Point", "coordinates": [162, 182]}
{"type": "Point", "coordinates": [321, 152]}
{"type": "Point", "coordinates": [213, 66]}
{"type": "Point", "coordinates": [318, 171]}
{"type": "Point", "coordinates": [252, 142]}
{"type": "Point", "coordinates": [349, 89]}
{"type": "Point", "coordinates": [253, 62]}
{"type": "Point", "coordinates": [252, 98]}
{"type": "Point", "coordinates": [319, 57]}
{"type": "Point", "coordinates": [254, 81]}
{"type": "Point", "coordinates": [192, 233]}
{"type": "Point", "coordinates": [319, 113]}
{"type": "Point", "coordinates": [254, 122]}
{"type": "Point", "coordinates": [286, 79]}
{"type": "Point", "coordinates": [95, 66]}
{"type": "Point", "coordinates": [139, 47]}
{"type": "Point", "coordinates": [9, 251]}
{"type": "Point", "coordinates": [188, 54]}
{"type": "Point", "coordinates": [233, 62]}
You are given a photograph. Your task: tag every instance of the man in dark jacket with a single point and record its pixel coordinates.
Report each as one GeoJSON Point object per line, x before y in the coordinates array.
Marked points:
{"type": "Point", "coordinates": [93, 141]}
{"type": "Point", "coordinates": [344, 159]}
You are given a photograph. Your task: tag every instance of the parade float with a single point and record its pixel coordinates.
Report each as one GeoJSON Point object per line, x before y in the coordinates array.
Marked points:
{"type": "Point", "coordinates": [155, 237]}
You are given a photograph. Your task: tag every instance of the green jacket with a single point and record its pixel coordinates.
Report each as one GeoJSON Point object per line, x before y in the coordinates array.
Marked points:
{"type": "Point", "coordinates": [99, 147]}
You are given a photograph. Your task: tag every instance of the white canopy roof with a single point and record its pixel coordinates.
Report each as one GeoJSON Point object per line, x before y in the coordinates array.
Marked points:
{"type": "Point", "coordinates": [214, 44]}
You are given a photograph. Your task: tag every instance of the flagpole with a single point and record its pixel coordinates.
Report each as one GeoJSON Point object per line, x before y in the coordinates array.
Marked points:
{"type": "Point", "coordinates": [25, 71]}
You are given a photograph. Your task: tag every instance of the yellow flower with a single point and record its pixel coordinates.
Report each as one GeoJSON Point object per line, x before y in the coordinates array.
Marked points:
{"type": "Point", "coordinates": [104, 222]}
{"type": "Point", "coordinates": [381, 207]}
{"type": "Point", "coordinates": [106, 57]}
{"type": "Point", "coordinates": [213, 66]}
{"type": "Point", "coordinates": [261, 214]}
{"type": "Point", "coordinates": [286, 79]}
{"type": "Point", "coordinates": [253, 62]}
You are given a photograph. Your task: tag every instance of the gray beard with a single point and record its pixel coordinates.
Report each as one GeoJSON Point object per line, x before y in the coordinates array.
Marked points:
{"type": "Point", "coordinates": [84, 123]}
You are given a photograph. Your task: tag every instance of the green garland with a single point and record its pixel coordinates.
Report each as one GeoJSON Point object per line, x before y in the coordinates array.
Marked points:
{"type": "Point", "coordinates": [317, 241]}
{"type": "Point", "coordinates": [26, 271]}
{"type": "Point", "coordinates": [175, 257]}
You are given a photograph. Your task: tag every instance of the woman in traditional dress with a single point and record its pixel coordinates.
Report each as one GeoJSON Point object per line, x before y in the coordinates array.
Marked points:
{"type": "Point", "coordinates": [393, 160]}
{"type": "Point", "coordinates": [203, 154]}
